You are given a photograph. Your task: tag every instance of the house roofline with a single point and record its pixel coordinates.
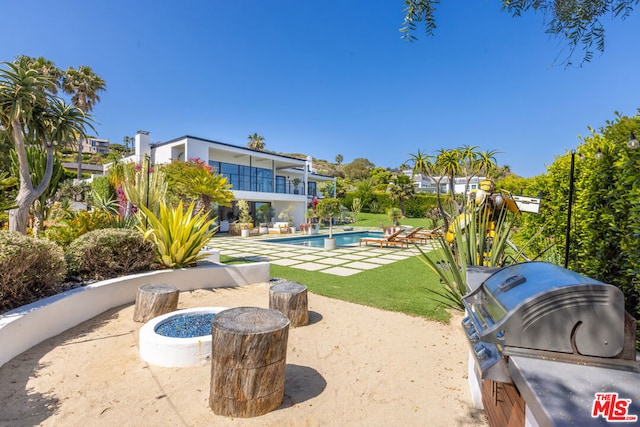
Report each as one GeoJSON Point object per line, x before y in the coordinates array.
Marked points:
{"type": "Point", "coordinates": [225, 144]}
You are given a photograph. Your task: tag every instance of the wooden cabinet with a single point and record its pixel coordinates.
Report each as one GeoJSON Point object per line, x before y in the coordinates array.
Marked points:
{"type": "Point", "coordinates": [503, 404]}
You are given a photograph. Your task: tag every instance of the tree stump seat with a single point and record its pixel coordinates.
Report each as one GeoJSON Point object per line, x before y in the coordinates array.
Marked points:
{"type": "Point", "coordinates": [248, 360]}
{"type": "Point", "coordinates": [154, 300]}
{"type": "Point", "coordinates": [290, 298]}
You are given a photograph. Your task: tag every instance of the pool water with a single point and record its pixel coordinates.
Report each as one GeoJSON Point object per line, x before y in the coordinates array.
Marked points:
{"type": "Point", "coordinates": [317, 241]}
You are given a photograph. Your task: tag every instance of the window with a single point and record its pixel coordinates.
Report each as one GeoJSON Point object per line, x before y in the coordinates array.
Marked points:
{"type": "Point", "coordinates": [312, 188]}
{"type": "Point", "coordinates": [245, 178]}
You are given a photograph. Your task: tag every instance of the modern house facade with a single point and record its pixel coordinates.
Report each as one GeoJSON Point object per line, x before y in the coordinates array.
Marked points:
{"type": "Point", "coordinates": [281, 182]}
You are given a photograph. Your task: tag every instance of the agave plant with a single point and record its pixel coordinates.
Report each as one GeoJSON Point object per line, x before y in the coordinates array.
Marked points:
{"type": "Point", "coordinates": [178, 234]}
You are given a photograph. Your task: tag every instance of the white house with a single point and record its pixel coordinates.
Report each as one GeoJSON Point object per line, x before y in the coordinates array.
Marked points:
{"type": "Point", "coordinates": [256, 176]}
{"type": "Point", "coordinates": [425, 184]}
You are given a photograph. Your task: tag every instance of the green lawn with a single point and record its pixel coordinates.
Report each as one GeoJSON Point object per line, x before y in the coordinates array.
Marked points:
{"type": "Point", "coordinates": [373, 220]}
{"type": "Point", "coordinates": [401, 286]}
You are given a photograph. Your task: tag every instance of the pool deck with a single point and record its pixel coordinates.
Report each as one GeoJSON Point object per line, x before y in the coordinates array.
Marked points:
{"type": "Point", "coordinates": [342, 261]}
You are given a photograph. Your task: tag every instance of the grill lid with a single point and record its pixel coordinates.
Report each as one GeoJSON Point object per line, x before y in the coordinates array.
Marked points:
{"type": "Point", "coordinates": [541, 306]}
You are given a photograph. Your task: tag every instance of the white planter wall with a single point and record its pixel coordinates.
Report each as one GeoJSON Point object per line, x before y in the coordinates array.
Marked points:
{"type": "Point", "coordinates": [24, 327]}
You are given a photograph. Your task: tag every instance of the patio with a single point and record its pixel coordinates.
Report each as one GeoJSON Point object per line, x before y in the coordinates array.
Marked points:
{"type": "Point", "coordinates": [343, 261]}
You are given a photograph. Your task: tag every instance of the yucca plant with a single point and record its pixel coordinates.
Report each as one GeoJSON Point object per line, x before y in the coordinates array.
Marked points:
{"type": "Point", "coordinates": [479, 240]}
{"type": "Point", "coordinates": [178, 234]}
{"type": "Point", "coordinates": [144, 187]}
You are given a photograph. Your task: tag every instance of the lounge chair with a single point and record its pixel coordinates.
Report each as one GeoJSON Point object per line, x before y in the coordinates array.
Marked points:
{"type": "Point", "coordinates": [430, 234]}
{"type": "Point", "coordinates": [390, 240]}
{"type": "Point", "coordinates": [413, 236]}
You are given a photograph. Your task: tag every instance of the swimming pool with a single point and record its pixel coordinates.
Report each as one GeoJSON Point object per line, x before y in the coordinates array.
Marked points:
{"type": "Point", "coordinates": [317, 241]}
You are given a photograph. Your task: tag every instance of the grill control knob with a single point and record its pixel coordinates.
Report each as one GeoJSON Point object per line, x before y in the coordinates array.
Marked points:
{"type": "Point", "coordinates": [467, 323]}
{"type": "Point", "coordinates": [482, 352]}
{"type": "Point", "coordinates": [473, 337]}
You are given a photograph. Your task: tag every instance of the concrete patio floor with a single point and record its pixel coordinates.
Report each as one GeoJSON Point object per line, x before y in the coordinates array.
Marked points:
{"type": "Point", "coordinates": [342, 261]}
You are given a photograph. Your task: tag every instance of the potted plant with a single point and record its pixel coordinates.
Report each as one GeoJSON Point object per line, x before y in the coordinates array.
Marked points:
{"type": "Point", "coordinates": [245, 219]}
{"type": "Point", "coordinates": [264, 214]}
{"type": "Point", "coordinates": [311, 226]}
{"type": "Point", "coordinates": [394, 215]}
{"type": "Point", "coordinates": [327, 209]}
{"type": "Point", "coordinates": [296, 182]}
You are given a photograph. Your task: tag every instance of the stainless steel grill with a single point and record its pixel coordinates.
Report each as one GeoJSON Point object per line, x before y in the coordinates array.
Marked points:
{"type": "Point", "coordinates": [538, 309]}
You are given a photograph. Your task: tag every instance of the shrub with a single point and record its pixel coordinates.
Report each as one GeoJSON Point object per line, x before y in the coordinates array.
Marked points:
{"type": "Point", "coordinates": [80, 222]}
{"type": "Point", "coordinates": [109, 252]}
{"type": "Point", "coordinates": [30, 269]}
{"type": "Point", "coordinates": [419, 205]}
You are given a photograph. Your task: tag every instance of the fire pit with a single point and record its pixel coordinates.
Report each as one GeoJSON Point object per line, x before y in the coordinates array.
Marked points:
{"type": "Point", "coordinates": [180, 338]}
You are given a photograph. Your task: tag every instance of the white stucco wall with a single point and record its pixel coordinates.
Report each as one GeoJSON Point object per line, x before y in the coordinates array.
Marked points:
{"type": "Point", "coordinates": [22, 328]}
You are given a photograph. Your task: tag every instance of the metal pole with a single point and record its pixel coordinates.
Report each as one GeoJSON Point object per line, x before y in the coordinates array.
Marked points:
{"type": "Point", "coordinates": [568, 232]}
{"type": "Point", "coordinates": [148, 179]}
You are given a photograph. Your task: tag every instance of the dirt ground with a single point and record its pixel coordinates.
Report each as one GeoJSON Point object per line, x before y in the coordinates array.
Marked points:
{"type": "Point", "coordinates": [352, 365]}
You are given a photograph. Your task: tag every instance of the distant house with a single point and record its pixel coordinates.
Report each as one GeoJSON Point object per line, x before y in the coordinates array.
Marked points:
{"type": "Point", "coordinates": [261, 178]}
{"type": "Point", "coordinates": [95, 145]}
{"type": "Point", "coordinates": [425, 184]}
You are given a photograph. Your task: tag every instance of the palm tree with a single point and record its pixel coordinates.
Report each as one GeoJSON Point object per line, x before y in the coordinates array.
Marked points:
{"type": "Point", "coordinates": [83, 84]}
{"type": "Point", "coordinates": [339, 159]}
{"type": "Point", "coordinates": [256, 142]}
{"type": "Point", "coordinates": [421, 163]}
{"type": "Point", "coordinates": [426, 165]}
{"type": "Point", "coordinates": [485, 163]}
{"type": "Point", "coordinates": [400, 188]}
{"type": "Point", "coordinates": [449, 162]}
{"type": "Point", "coordinates": [30, 114]}
{"type": "Point", "coordinates": [128, 140]}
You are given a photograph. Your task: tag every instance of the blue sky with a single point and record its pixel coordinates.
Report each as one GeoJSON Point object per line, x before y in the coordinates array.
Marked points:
{"type": "Point", "coordinates": [333, 77]}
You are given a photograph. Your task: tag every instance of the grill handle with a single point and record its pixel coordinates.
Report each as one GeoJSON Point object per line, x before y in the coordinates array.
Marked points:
{"type": "Point", "coordinates": [511, 282]}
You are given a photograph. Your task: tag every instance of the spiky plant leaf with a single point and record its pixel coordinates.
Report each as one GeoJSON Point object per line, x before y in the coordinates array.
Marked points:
{"type": "Point", "coordinates": [179, 234]}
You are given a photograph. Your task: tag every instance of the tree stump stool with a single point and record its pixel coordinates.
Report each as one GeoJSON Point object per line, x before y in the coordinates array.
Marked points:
{"type": "Point", "coordinates": [248, 359]}
{"type": "Point", "coordinates": [290, 298]}
{"type": "Point", "coordinates": [154, 300]}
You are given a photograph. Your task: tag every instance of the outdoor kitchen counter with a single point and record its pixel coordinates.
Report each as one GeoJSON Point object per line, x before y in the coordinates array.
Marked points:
{"type": "Point", "coordinates": [562, 394]}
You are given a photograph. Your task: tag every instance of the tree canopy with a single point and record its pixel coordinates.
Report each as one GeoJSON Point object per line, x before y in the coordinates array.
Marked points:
{"type": "Point", "coordinates": [577, 21]}
{"type": "Point", "coordinates": [30, 113]}
{"type": "Point", "coordinates": [256, 142]}
{"type": "Point", "coordinates": [605, 221]}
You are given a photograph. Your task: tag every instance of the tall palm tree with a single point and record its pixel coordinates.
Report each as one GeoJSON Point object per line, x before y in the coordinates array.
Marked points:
{"type": "Point", "coordinates": [449, 162]}
{"type": "Point", "coordinates": [30, 113]}
{"type": "Point", "coordinates": [127, 140]}
{"type": "Point", "coordinates": [83, 84]}
{"type": "Point", "coordinates": [256, 142]}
